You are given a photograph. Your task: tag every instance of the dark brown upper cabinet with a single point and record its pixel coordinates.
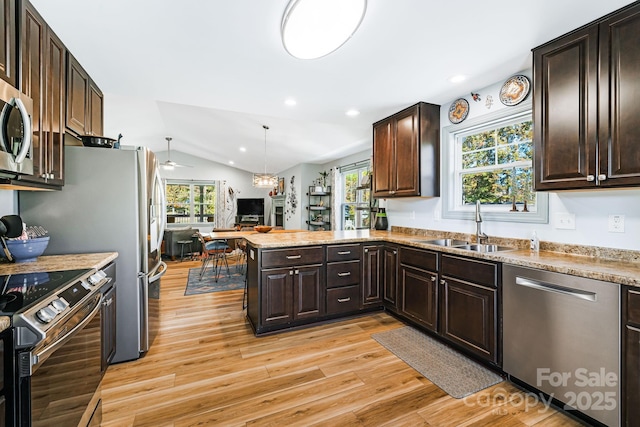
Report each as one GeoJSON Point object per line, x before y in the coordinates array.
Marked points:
{"type": "Point", "coordinates": [586, 110]}
{"type": "Point", "coordinates": [8, 42]}
{"type": "Point", "coordinates": [84, 101]}
{"type": "Point", "coordinates": [406, 153]}
{"type": "Point", "coordinates": [43, 80]}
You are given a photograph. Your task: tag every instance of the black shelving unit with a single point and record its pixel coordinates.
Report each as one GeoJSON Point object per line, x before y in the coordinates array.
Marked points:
{"type": "Point", "coordinates": [319, 209]}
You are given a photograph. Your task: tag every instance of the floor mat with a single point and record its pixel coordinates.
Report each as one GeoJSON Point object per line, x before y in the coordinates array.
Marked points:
{"type": "Point", "coordinates": [453, 372]}
{"type": "Point", "coordinates": [208, 283]}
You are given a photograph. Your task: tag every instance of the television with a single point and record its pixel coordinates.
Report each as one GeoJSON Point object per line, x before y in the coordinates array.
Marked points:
{"type": "Point", "coordinates": [251, 207]}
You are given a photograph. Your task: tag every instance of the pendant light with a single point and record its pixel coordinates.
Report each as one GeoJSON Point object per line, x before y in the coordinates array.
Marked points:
{"type": "Point", "coordinates": [265, 180]}
{"type": "Point", "coordinates": [314, 28]}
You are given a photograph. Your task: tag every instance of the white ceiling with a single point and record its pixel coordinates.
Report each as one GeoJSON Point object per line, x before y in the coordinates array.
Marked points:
{"type": "Point", "coordinates": [210, 73]}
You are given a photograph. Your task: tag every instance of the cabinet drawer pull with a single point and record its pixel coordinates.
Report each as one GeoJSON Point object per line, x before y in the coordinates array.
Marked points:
{"type": "Point", "coordinates": [344, 299]}
{"type": "Point", "coordinates": [347, 273]}
{"type": "Point", "coordinates": [591, 178]}
{"type": "Point", "coordinates": [344, 252]}
{"type": "Point", "coordinates": [602, 177]}
{"type": "Point", "coordinates": [294, 256]}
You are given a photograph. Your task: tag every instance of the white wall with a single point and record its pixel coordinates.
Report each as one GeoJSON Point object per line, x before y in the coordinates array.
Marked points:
{"type": "Point", "coordinates": [590, 207]}
{"type": "Point", "coordinates": [305, 174]}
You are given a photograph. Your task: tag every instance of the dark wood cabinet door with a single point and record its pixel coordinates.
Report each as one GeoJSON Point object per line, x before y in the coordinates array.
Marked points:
{"type": "Point", "coordinates": [43, 79]}
{"type": "Point", "coordinates": [390, 276]}
{"type": "Point", "coordinates": [77, 97]}
{"type": "Point", "coordinates": [308, 292]}
{"type": "Point", "coordinates": [406, 166]}
{"type": "Point", "coordinates": [418, 296]}
{"type": "Point", "coordinates": [371, 275]}
{"type": "Point", "coordinates": [276, 296]}
{"type": "Point", "coordinates": [8, 42]}
{"type": "Point", "coordinates": [631, 388]}
{"type": "Point", "coordinates": [96, 124]}
{"type": "Point", "coordinates": [33, 77]}
{"type": "Point", "coordinates": [53, 112]}
{"type": "Point", "coordinates": [619, 93]}
{"type": "Point", "coordinates": [565, 111]}
{"type": "Point", "coordinates": [468, 317]}
{"type": "Point", "coordinates": [108, 324]}
{"type": "Point", "coordinates": [383, 158]}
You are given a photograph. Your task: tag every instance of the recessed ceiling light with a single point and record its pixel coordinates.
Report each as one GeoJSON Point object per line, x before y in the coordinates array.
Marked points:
{"type": "Point", "coordinates": [314, 28]}
{"type": "Point", "coordinates": [243, 149]}
{"type": "Point", "coordinates": [457, 79]}
{"type": "Point", "coordinates": [352, 112]}
{"type": "Point", "coordinates": [290, 102]}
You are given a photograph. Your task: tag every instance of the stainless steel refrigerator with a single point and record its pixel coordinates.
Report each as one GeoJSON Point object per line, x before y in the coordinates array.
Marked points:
{"type": "Point", "coordinates": [112, 200]}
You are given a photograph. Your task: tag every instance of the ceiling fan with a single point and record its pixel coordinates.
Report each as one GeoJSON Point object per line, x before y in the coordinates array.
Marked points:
{"type": "Point", "coordinates": [170, 164]}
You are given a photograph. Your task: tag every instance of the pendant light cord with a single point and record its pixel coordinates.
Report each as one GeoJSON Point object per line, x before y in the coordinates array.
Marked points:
{"type": "Point", "coordinates": [266, 128]}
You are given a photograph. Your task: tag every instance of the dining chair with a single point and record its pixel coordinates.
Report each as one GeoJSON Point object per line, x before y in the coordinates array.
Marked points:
{"type": "Point", "coordinates": [216, 251]}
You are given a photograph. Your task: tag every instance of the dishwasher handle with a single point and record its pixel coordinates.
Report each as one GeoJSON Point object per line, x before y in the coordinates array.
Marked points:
{"type": "Point", "coordinates": [550, 287]}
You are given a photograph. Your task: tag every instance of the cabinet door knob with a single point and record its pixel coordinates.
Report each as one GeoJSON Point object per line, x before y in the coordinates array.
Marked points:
{"type": "Point", "coordinates": [443, 282]}
{"type": "Point", "coordinates": [433, 279]}
{"type": "Point", "coordinates": [591, 178]}
{"type": "Point", "coordinates": [366, 251]}
{"type": "Point", "coordinates": [297, 271]}
{"type": "Point", "coordinates": [602, 177]}
{"type": "Point", "coordinates": [290, 272]}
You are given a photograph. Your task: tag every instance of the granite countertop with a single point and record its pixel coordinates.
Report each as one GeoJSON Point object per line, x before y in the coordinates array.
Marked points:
{"type": "Point", "coordinates": [609, 265]}
{"type": "Point", "coordinates": [55, 263]}
{"type": "Point", "coordinates": [59, 262]}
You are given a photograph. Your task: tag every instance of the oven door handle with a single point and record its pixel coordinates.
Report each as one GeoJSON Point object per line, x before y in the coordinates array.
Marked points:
{"type": "Point", "coordinates": [40, 357]}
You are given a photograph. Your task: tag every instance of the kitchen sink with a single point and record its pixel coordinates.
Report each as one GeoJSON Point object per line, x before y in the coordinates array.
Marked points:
{"type": "Point", "coordinates": [485, 248]}
{"type": "Point", "coordinates": [444, 242]}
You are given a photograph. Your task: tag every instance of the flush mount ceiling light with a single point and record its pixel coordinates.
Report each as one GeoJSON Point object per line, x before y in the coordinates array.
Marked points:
{"type": "Point", "coordinates": [314, 28]}
{"type": "Point", "coordinates": [265, 180]}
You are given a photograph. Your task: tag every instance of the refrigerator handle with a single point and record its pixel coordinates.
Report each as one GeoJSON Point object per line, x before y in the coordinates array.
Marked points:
{"type": "Point", "coordinates": [163, 205]}
{"type": "Point", "coordinates": [158, 272]}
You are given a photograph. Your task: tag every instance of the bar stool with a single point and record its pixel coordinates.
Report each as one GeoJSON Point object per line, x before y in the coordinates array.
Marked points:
{"type": "Point", "coordinates": [182, 244]}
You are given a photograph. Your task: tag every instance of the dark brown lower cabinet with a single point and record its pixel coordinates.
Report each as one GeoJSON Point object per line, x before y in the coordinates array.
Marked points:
{"type": "Point", "coordinates": [371, 277]}
{"type": "Point", "coordinates": [418, 296]}
{"type": "Point", "coordinates": [631, 362]}
{"type": "Point", "coordinates": [390, 277]}
{"type": "Point", "coordinates": [468, 317]}
{"type": "Point", "coordinates": [291, 293]}
{"type": "Point", "coordinates": [469, 305]}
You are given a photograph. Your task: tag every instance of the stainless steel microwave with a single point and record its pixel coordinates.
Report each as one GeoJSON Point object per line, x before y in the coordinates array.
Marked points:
{"type": "Point", "coordinates": [16, 110]}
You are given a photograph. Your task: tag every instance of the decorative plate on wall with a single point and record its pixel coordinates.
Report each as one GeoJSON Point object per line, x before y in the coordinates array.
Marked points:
{"type": "Point", "coordinates": [458, 111]}
{"type": "Point", "coordinates": [515, 90]}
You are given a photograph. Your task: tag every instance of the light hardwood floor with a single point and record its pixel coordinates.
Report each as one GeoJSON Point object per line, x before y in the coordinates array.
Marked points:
{"type": "Point", "coordinates": [207, 368]}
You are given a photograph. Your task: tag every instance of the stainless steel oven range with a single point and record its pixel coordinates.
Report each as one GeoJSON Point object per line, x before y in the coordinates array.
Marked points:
{"type": "Point", "coordinates": [56, 346]}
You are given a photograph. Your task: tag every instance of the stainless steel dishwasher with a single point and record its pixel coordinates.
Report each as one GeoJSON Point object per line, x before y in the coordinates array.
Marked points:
{"type": "Point", "coordinates": [561, 335]}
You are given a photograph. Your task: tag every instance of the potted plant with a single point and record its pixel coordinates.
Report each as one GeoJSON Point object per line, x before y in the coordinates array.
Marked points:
{"type": "Point", "coordinates": [323, 180]}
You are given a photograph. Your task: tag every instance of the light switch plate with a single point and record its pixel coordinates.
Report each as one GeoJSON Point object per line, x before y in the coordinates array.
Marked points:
{"type": "Point", "coordinates": [616, 223]}
{"type": "Point", "coordinates": [565, 221]}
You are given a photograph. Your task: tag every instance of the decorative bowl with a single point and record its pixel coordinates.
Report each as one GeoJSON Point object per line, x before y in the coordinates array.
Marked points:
{"type": "Point", "coordinates": [262, 228]}
{"type": "Point", "coordinates": [27, 250]}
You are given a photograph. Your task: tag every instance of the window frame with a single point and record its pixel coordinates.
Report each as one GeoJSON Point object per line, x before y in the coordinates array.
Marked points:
{"type": "Point", "coordinates": [358, 205]}
{"type": "Point", "coordinates": [450, 207]}
{"type": "Point", "coordinates": [192, 204]}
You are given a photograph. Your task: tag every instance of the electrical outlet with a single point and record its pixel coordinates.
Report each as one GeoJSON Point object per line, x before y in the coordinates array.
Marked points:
{"type": "Point", "coordinates": [616, 223]}
{"type": "Point", "coordinates": [565, 221]}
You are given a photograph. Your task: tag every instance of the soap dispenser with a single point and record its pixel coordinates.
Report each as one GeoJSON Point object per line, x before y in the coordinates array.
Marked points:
{"type": "Point", "coordinates": [535, 242]}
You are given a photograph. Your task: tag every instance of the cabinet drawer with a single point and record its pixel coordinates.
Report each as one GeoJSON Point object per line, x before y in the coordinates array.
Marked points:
{"type": "Point", "coordinates": [476, 271]}
{"type": "Point", "coordinates": [342, 300]}
{"type": "Point", "coordinates": [633, 307]}
{"type": "Point", "coordinates": [343, 252]}
{"type": "Point", "coordinates": [425, 260]}
{"type": "Point", "coordinates": [291, 257]}
{"type": "Point", "coordinates": [343, 274]}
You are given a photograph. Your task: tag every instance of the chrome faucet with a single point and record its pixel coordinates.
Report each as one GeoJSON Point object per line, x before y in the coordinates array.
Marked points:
{"type": "Point", "coordinates": [480, 236]}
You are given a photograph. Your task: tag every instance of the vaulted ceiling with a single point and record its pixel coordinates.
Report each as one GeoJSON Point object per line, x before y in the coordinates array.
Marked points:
{"type": "Point", "coordinates": [210, 73]}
